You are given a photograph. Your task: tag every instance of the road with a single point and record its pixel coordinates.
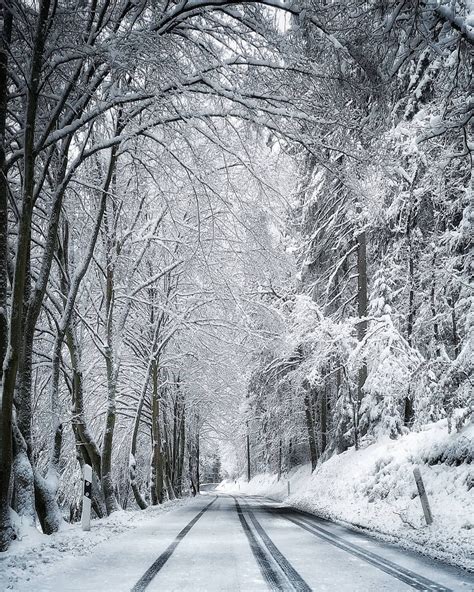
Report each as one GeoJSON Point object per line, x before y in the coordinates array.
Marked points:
{"type": "Point", "coordinates": [219, 542]}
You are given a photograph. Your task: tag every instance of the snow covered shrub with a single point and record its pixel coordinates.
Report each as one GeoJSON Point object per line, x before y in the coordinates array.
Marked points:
{"type": "Point", "coordinates": [391, 363]}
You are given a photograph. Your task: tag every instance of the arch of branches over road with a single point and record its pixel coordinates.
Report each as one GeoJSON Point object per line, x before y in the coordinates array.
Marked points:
{"type": "Point", "coordinates": [119, 120]}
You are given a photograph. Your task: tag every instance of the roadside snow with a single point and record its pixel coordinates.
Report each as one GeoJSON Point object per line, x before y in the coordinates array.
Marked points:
{"type": "Point", "coordinates": [374, 489]}
{"type": "Point", "coordinates": [37, 553]}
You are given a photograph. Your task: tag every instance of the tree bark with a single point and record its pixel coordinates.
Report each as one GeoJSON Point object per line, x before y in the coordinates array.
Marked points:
{"type": "Point", "coordinates": [15, 335]}
{"type": "Point", "coordinates": [362, 300]}
{"type": "Point", "coordinates": [24, 489]}
{"type": "Point", "coordinates": [324, 418]}
{"type": "Point", "coordinates": [408, 407]}
{"type": "Point", "coordinates": [156, 436]}
{"type": "Point", "coordinates": [182, 438]}
{"type": "Point", "coordinates": [313, 451]}
{"type": "Point", "coordinates": [111, 365]}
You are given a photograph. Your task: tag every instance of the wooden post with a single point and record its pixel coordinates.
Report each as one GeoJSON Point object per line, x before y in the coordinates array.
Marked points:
{"type": "Point", "coordinates": [288, 487]}
{"type": "Point", "coordinates": [423, 497]}
{"type": "Point", "coordinates": [86, 498]}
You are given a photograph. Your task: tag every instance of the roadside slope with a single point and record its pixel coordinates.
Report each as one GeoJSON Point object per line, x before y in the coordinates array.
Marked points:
{"type": "Point", "coordinates": [374, 489]}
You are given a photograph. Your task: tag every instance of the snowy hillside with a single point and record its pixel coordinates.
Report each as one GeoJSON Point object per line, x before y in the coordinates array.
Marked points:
{"type": "Point", "coordinates": [374, 489]}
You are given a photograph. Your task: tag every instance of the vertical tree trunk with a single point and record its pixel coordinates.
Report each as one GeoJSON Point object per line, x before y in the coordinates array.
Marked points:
{"type": "Point", "coordinates": [324, 418]}
{"type": "Point", "coordinates": [112, 369]}
{"type": "Point", "coordinates": [433, 308]}
{"type": "Point", "coordinates": [198, 459]}
{"type": "Point", "coordinates": [454, 327]}
{"type": "Point", "coordinates": [84, 439]}
{"type": "Point", "coordinates": [182, 440]}
{"type": "Point", "coordinates": [313, 451]}
{"type": "Point", "coordinates": [47, 509]}
{"type": "Point", "coordinates": [409, 409]}
{"type": "Point", "coordinates": [248, 453]}
{"type": "Point", "coordinates": [15, 338]}
{"type": "Point", "coordinates": [23, 462]}
{"type": "Point", "coordinates": [107, 445]}
{"type": "Point", "coordinates": [5, 40]}
{"type": "Point", "coordinates": [133, 446]}
{"type": "Point", "coordinates": [24, 489]}
{"type": "Point", "coordinates": [280, 454]}
{"type": "Point", "coordinates": [111, 412]}
{"type": "Point", "coordinates": [175, 443]}
{"type": "Point", "coordinates": [6, 530]}
{"type": "Point", "coordinates": [362, 301]}
{"type": "Point", "coordinates": [156, 436]}
{"type": "Point", "coordinates": [167, 454]}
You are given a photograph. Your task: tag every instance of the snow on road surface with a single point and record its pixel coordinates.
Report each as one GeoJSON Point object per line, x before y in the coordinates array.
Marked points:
{"type": "Point", "coordinates": [223, 542]}
{"type": "Point", "coordinates": [374, 488]}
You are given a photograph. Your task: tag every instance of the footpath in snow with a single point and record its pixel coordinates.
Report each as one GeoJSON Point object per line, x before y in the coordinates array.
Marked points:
{"type": "Point", "coordinates": [374, 489]}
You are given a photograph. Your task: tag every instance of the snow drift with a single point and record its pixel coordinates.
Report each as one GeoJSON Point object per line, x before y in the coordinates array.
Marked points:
{"type": "Point", "coordinates": [374, 489]}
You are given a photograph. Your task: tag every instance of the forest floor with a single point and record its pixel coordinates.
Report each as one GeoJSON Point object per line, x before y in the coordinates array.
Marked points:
{"type": "Point", "coordinates": [374, 489]}
{"type": "Point", "coordinates": [36, 553]}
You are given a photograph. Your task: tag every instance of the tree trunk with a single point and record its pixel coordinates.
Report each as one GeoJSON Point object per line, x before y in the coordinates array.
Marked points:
{"type": "Point", "coordinates": [454, 327]}
{"type": "Point", "coordinates": [323, 418]}
{"type": "Point", "coordinates": [112, 368]}
{"type": "Point", "coordinates": [156, 436]}
{"type": "Point", "coordinates": [133, 447]}
{"type": "Point", "coordinates": [247, 439]}
{"type": "Point", "coordinates": [15, 337]}
{"type": "Point", "coordinates": [47, 508]}
{"type": "Point", "coordinates": [182, 439]}
{"type": "Point", "coordinates": [111, 414]}
{"type": "Point", "coordinates": [198, 460]}
{"type": "Point", "coordinates": [84, 439]}
{"type": "Point", "coordinates": [362, 300]}
{"type": "Point", "coordinates": [279, 458]}
{"type": "Point", "coordinates": [24, 489]}
{"type": "Point", "coordinates": [23, 461]}
{"type": "Point", "coordinates": [409, 410]}
{"type": "Point", "coordinates": [313, 451]}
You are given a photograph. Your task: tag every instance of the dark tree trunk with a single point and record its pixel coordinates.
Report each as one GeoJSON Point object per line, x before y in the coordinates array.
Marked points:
{"type": "Point", "coordinates": [324, 418]}
{"type": "Point", "coordinates": [362, 301]}
{"type": "Point", "coordinates": [313, 451]}
{"type": "Point", "coordinates": [280, 446]}
{"type": "Point", "coordinates": [157, 465]}
{"type": "Point", "coordinates": [6, 530]}
{"type": "Point", "coordinates": [182, 441]}
{"type": "Point", "coordinates": [15, 336]}
{"type": "Point", "coordinates": [408, 407]}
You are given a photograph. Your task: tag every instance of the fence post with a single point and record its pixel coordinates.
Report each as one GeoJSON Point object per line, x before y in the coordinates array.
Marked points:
{"type": "Point", "coordinates": [423, 497]}
{"type": "Point", "coordinates": [86, 498]}
{"type": "Point", "coordinates": [288, 487]}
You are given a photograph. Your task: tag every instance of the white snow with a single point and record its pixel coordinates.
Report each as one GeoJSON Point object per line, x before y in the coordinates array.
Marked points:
{"type": "Point", "coordinates": [212, 556]}
{"type": "Point", "coordinates": [38, 554]}
{"type": "Point", "coordinates": [374, 489]}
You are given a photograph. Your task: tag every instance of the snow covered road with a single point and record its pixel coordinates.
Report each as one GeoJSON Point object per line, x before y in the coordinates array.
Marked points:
{"type": "Point", "coordinates": [222, 542]}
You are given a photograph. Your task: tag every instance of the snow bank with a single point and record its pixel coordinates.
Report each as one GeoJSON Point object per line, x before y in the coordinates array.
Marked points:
{"type": "Point", "coordinates": [374, 489]}
{"type": "Point", "coordinates": [37, 553]}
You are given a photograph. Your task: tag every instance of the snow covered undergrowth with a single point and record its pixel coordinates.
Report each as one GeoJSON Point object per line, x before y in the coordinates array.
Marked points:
{"type": "Point", "coordinates": [36, 553]}
{"type": "Point", "coordinates": [374, 489]}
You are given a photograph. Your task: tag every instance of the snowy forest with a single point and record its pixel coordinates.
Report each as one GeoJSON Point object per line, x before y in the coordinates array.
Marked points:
{"type": "Point", "coordinates": [235, 237]}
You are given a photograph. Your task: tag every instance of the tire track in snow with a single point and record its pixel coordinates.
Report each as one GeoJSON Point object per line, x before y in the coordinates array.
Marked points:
{"type": "Point", "coordinates": [284, 578]}
{"type": "Point", "coordinates": [406, 576]}
{"type": "Point", "coordinates": [163, 558]}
